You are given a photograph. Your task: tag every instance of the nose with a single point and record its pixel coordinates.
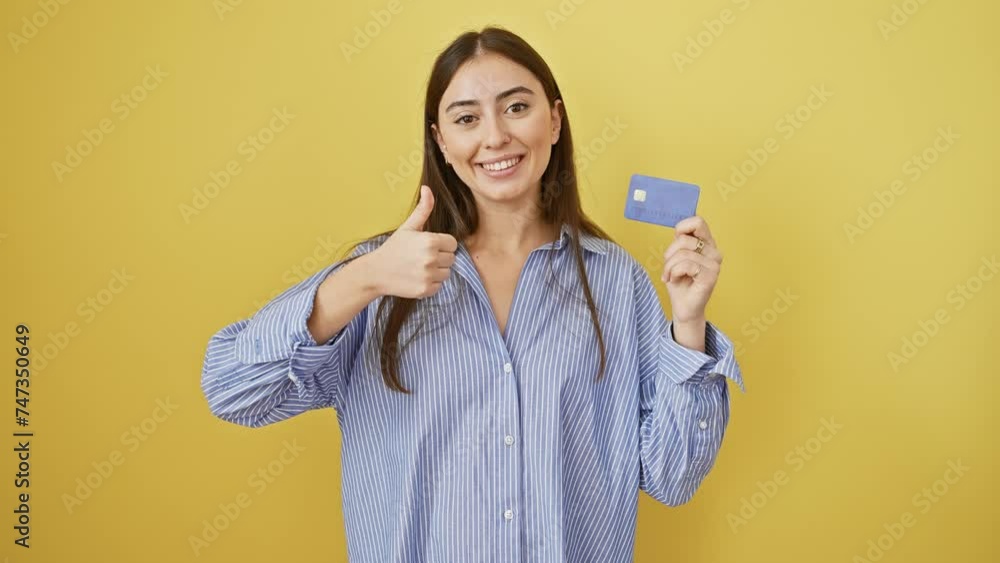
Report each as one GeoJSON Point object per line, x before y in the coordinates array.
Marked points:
{"type": "Point", "coordinates": [496, 132]}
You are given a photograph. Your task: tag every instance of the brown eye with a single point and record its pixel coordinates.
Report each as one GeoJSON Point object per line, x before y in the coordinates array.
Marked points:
{"type": "Point", "coordinates": [518, 104]}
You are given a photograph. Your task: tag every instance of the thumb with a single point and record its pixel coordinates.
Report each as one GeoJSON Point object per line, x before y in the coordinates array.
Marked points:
{"type": "Point", "coordinates": [416, 220]}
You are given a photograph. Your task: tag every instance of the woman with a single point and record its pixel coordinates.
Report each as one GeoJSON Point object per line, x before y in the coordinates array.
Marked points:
{"type": "Point", "coordinates": [503, 373]}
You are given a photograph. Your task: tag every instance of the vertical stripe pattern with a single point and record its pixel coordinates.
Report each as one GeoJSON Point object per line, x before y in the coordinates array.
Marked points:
{"type": "Point", "coordinates": [508, 449]}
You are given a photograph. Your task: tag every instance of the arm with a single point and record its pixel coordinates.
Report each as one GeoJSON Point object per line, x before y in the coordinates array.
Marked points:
{"type": "Point", "coordinates": [684, 400]}
{"type": "Point", "coordinates": [271, 367]}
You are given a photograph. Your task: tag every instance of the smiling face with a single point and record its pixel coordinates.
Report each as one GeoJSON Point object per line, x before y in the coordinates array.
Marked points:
{"type": "Point", "coordinates": [496, 129]}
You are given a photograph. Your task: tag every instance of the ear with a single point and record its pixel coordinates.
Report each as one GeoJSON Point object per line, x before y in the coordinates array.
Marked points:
{"type": "Point", "coordinates": [437, 137]}
{"type": "Point", "coordinates": [556, 120]}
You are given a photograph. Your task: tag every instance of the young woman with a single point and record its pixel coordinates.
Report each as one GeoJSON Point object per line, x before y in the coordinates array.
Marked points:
{"type": "Point", "coordinates": [503, 373]}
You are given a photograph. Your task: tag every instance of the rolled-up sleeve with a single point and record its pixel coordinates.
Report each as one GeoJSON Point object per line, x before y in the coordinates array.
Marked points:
{"type": "Point", "coordinates": [684, 400]}
{"type": "Point", "coordinates": [268, 368]}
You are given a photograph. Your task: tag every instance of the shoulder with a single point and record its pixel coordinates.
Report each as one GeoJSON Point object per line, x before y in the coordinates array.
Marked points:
{"type": "Point", "coordinates": [617, 258]}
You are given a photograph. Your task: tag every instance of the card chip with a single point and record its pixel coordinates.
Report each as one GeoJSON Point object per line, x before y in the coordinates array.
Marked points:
{"type": "Point", "coordinates": [639, 195]}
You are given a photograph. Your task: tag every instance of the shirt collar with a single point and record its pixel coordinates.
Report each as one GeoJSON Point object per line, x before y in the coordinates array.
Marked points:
{"type": "Point", "coordinates": [587, 241]}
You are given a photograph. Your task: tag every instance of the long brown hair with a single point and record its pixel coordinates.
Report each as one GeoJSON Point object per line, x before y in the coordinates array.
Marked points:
{"type": "Point", "coordinates": [455, 211]}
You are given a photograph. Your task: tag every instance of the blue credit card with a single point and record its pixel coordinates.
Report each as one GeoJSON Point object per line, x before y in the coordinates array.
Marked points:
{"type": "Point", "coordinates": [660, 201]}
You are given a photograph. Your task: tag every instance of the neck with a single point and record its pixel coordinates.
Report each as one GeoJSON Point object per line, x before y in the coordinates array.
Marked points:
{"type": "Point", "coordinates": [510, 235]}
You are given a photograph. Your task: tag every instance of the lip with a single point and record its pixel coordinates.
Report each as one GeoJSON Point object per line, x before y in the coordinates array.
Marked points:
{"type": "Point", "coordinates": [501, 158]}
{"type": "Point", "coordinates": [505, 172]}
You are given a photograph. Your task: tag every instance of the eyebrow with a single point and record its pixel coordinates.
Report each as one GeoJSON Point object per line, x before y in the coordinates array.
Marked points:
{"type": "Point", "coordinates": [500, 96]}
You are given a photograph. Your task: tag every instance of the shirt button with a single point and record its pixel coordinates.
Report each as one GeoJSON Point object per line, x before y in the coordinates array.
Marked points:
{"type": "Point", "coordinates": [292, 377]}
{"type": "Point", "coordinates": [508, 514]}
{"type": "Point", "coordinates": [507, 368]}
{"type": "Point", "coordinates": [508, 440]}
{"type": "Point", "coordinates": [702, 424]}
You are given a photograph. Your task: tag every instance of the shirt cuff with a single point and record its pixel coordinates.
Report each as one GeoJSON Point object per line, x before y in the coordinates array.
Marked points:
{"type": "Point", "coordinates": [681, 364]}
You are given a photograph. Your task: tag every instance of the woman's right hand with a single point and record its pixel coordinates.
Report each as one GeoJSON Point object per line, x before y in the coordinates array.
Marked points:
{"type": "Point", "coordinates": [413, 263]}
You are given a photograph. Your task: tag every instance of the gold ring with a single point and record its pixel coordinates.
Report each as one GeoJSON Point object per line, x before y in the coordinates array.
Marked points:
{"type": "Point", "coordinates": [701, 244]}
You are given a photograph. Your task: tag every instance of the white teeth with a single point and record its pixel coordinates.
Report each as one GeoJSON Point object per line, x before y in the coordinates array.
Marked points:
{"type": "Point", "coordinates": [502, 165]}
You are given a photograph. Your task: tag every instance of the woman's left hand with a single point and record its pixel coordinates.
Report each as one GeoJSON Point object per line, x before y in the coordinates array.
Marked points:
{"type": "Point", "coordinates": [690, 276]}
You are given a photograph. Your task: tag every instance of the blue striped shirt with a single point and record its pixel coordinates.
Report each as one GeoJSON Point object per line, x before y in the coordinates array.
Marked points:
{"type": "Point", "coordinates": [507, 449]}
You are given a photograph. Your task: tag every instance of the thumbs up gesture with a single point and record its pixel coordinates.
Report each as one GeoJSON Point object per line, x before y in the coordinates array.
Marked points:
{"type": "Point", "coordinates": [413, 263]}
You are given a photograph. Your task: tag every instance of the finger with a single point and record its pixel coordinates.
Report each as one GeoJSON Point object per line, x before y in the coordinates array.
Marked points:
{"type": "Point", "coordinates": [689, 256]}
{"type": "Point", "coordinates": [688, 242]}
{"type": "Point", "coordinates": [439, 275]}
{"type": "Point", "coordinates": [696, 226]}
{"type": "Point", "coordinates": [684, 268]}
{"type": "Point", "coordinates": [416, 220]}
{"type": "Point", "coordinates": [445, 259]}
{"type": "Point", "coordinates": [444, 242]}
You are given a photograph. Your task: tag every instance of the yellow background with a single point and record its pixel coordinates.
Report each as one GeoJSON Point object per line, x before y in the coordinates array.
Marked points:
{"type": "Point", "coordinates": [324, 177]}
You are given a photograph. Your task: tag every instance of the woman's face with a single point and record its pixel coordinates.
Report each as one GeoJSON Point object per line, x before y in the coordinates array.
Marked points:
{"type": "Point", "coordinates": [496, 128]}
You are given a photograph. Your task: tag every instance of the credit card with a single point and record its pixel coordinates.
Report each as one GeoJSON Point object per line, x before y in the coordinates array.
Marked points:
{"type": "Point", "coordinates": [660, 201]}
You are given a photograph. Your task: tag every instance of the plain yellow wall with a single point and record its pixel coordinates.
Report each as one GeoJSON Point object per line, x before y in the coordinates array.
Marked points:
{"type": "Point", "coordinates": [840, 249]}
